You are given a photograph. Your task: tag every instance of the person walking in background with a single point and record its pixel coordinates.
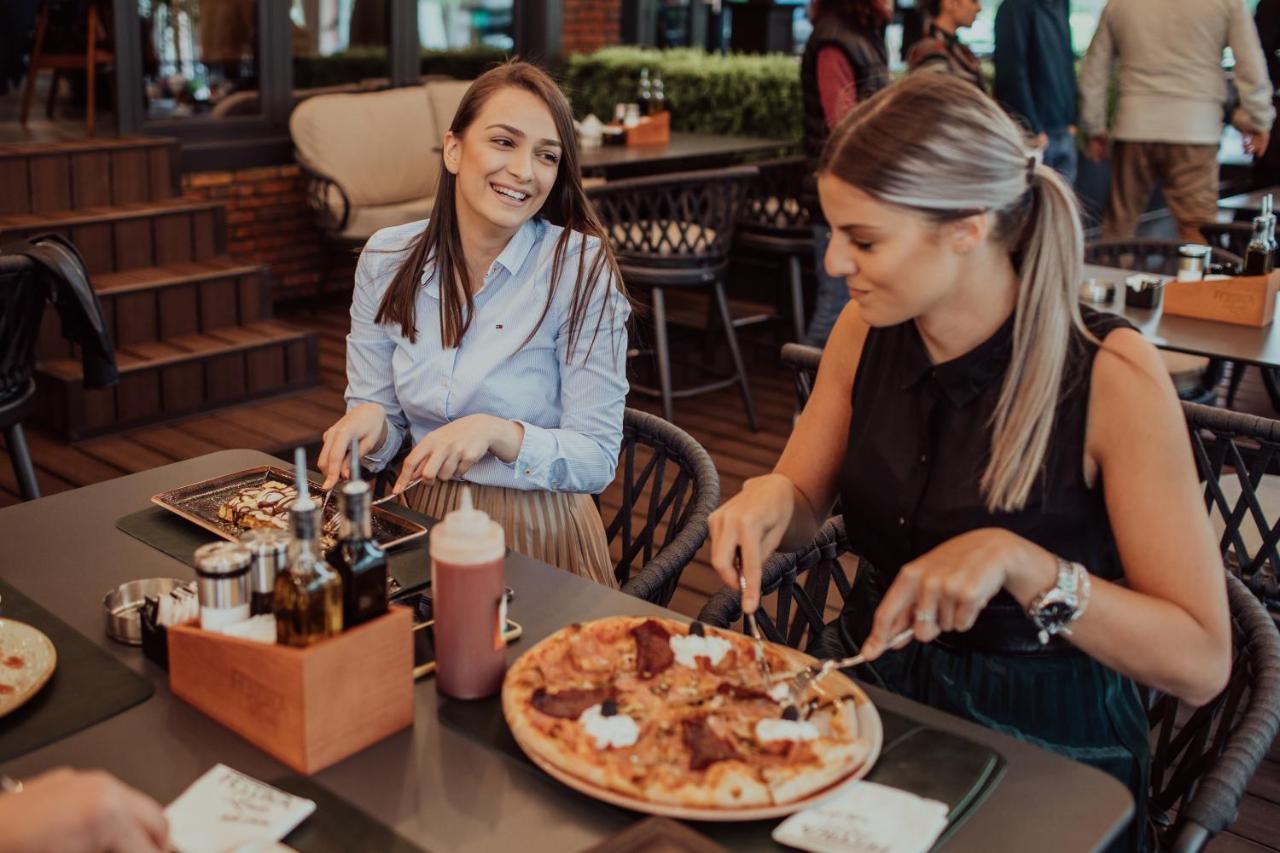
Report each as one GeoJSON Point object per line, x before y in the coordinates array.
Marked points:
{"type": "Point", "coordinates": [941, 51]}
{"type": "Point", "coordinates": [1036, 78]}
{"type": "Point", "coordinates": [1173, 93]}
{"type": "Point", "coordinates": [1266, 166]}
{"type": "Point", "coordinates": [845, 62]}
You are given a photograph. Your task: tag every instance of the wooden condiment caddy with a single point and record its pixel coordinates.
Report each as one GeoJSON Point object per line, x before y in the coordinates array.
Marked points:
{"type": "Point", "coordinates": [308, 708]}
{"type": "Point", "coordinates": [1243, 300]}
{"type": "Point", "coordinates": [652, 130]}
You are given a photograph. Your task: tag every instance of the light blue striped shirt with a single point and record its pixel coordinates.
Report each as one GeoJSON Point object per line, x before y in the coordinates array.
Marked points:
{"type": "Point", "coordinates": [570, 405]}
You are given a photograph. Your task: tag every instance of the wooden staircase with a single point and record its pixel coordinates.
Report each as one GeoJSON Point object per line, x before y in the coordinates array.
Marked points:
{"type": "Point", "coordinates": [192, 327]}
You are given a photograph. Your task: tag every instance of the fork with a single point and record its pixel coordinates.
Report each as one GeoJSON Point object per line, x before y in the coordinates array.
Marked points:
{"type": "Point", "coordinates": [799, 683]}
{"type": "Point", "coordinates": [752, 624]}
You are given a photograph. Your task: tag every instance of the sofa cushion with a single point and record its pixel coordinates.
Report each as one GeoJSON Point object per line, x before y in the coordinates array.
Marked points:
{"type": "Point", "coordinates": [444, 97]}
{"type": "Point", "coordinates": [378, 145]}
{"type": "Point", "coordinates": [363, 221]}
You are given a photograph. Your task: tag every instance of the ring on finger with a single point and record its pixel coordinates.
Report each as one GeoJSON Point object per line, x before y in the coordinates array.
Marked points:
{"type": "Point", "coordinates": [925, 618]}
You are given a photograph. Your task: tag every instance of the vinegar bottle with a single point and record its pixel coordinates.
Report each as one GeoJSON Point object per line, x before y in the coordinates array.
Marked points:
{"type": "Point", "coordinates": [468, 560]}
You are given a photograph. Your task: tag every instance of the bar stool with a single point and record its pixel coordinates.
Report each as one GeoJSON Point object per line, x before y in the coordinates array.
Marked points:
{"type": "Point", "coordinates": [775, 222]}
{"type": "Point", "coordinates": [62, 18]}
{"type": "Point", "coordinates": [674, 231]}
{"type": "Point", "coordinates": [22, 304]}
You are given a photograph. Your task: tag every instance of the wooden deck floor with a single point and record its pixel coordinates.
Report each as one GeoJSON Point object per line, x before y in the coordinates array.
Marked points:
{"type": "Point", "coordinates": [715, 420]}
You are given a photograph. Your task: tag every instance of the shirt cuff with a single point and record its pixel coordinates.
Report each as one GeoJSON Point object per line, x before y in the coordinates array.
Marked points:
{"type": "Point", "coordinates": [537, 452]}
{"type": "Point", "coordinates": [379, 457]}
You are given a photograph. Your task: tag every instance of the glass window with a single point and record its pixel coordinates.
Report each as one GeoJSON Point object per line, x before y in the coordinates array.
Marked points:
{"type": "Point", "coordinates": [200, 58]}
{"type": "Point", "coordinates": [340, 43]}
{"type": "Point", "coordinates": [453, 24]}
{"type": "Point", "coordinates": [981, 37]}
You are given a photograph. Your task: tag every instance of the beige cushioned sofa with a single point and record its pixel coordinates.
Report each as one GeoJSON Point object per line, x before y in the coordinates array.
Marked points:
{"type": "Point", "coordinates": [372, 158]}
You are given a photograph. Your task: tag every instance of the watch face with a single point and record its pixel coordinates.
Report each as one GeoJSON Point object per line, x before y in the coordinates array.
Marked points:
{"type": "Point", "coordinates": [1056, 612]}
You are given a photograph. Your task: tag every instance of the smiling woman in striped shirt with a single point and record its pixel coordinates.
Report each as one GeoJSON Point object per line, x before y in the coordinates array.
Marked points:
{"type": "Point", "coordinates": [493, 339]}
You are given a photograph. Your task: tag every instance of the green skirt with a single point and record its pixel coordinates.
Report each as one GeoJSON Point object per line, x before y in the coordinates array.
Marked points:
{"type": "Point", "coordinates": [1069, 704]}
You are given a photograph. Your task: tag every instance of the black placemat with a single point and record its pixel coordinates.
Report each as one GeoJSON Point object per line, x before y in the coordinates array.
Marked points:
{"type": "Point", "coordinates": [88, 685]}
{"type": "Point", "coordinates": [336, 825]}
{"type": "Point", "coordinates": [179, 538]}
{"type": "Point", "coordinates": [925, 761]}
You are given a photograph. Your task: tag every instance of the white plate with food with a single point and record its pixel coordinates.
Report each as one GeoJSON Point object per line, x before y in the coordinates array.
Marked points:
{"type": "Point", "coordinates": [27, 661]}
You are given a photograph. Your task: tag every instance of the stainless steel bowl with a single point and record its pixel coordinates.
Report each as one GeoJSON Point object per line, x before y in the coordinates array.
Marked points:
{"type": "Point", "coordinates": [122, 606]}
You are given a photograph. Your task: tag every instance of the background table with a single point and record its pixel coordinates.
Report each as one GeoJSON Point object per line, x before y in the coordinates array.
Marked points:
{"type": "Point", "coordinates": [1258, 345]}
{"type": "Point", "coordinates": [684, 151]}
{"type": "Point", "coordinates": [443, 785]}
{"type": "Point", "coordinates": [1245, 206]}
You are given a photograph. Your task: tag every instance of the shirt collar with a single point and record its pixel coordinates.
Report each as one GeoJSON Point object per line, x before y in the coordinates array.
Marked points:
{"type": "Point", "coordinates": [511, 258]}
{"type": "Point", "coordinates": [947, 38]}
{"type": "Point", "coordinates": [962, 378]}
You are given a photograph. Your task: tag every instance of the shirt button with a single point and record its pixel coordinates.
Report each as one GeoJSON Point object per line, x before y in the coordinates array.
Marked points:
{"type": "Point", "coordinates": [444, 383]}
{"type": "Point", "coordinates": [902, 521]}
{"type": "Point", "coordinates": [528, 472]}
{"type": "Point", "coordinates": [924, 457]}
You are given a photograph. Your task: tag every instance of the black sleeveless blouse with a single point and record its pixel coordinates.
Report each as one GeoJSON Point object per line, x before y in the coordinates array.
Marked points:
{"type": "Point", "coordinates": [919, 440]}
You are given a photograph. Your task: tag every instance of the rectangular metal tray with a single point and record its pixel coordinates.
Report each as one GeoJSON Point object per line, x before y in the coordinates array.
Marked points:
{"type": "Point", "coordinates": [199, 502]}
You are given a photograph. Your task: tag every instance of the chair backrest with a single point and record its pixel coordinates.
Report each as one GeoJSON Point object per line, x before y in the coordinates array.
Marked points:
{"type": "Point", "coordinates": [668, 485]}
{"type": "Point", "coordinates": [1150, 256]}
{"type": "Point", "coordinates": [23, 295]}
{"type": "Point", "coordinates": [803, 361]}
{"type": "Point", "coordinates": [1233, 453]}
{"type": "Point", "coordinates": [804, 581]}
{"type": "Point", "coordinates": [1234, 237]}
{"type": "Point", "coordinates": [376, 145]}
{"type": "Point", "coordinates": [1203, 758]}
{"type": "Point", "coordinates": [677, 220]}
{"type": "Point", "coordinates": [773, 203]}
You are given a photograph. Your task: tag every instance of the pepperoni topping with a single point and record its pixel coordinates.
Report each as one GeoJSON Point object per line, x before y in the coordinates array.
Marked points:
{"type": "Point", "coordinates": [705, 746]}
{"type": "Point", "coordinates": [5, 689]}
{"type": "Point", "coordinates": [653, 648]}
{"type": "Point", "coordinates": [569, 704]}
{"type": "Point", "coordinates": [14, 662]}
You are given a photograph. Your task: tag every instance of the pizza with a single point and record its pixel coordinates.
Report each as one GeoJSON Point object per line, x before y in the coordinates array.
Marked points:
{"type": "Point", "coordinates": [678, 715]}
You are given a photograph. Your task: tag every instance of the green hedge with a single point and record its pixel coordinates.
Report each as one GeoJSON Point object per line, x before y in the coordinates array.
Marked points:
{"type": "Point", "coordinates": [740, 95]}
{"type": "Point", "coordinates": [352, 66]}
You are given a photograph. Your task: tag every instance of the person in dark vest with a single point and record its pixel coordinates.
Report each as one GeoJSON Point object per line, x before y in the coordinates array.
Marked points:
{"type": "Point", "coordinates": [941, 51]}
{"type": "Point", "coordinates": [1266, 166]}
{"type": "Point", "coordinates": [845, 62]}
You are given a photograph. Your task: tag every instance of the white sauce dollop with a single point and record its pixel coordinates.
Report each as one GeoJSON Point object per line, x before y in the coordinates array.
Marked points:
{"type": "Point", "coordinates": [688, 648]}
{"type": "Point", "coordinates": [618, 730]}
{"type": "Point", "coordinates": [780, 693]}
{"type": "Point", "coordinates": [774, 730]}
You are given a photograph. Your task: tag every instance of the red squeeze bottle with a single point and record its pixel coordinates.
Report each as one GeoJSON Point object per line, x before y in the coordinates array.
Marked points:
{"type": "Point", "coordinates": [468, 559]}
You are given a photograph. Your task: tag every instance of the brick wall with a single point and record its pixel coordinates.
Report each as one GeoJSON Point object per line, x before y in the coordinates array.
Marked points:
{"type": "Point", "coordinates": [268, 222]}
{"type": "Point", "coordinates": [590, 24]}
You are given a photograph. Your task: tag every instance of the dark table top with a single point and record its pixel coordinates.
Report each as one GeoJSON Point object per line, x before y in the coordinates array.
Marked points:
{"type": "Point", "coordinates": [439, 784]}
{"type": "Point", "coordinates": [1248, 344]}
{"type": "Point", "coordinates": [684, 151]}
{"type": "Point", "coordinates": [1247, 204]}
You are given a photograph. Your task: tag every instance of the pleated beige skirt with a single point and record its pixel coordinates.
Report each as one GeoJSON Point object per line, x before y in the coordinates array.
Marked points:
{"type": "Point", "coordinates": [559, 528]}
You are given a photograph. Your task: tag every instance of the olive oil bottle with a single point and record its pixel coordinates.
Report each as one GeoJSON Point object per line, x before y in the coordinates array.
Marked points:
{"type": "Point", "coordinates": [308, 594]}
{"type": "Point", "coordinates": [360, 562]}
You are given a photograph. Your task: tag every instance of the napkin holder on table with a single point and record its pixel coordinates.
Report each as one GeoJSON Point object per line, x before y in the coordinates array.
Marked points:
{"type": "Point", "coordinates": [308, 708]}
{"type": "Point", "coordinates": [1246, 300]}
{"type": "Point", "coordinates": [651, 130]}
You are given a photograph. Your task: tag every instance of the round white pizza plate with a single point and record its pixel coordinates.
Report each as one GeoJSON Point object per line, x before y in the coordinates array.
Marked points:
{"type": "Point", "coordinates": [27, 660]}
{"type": "Point", "coordinates": [835, 684]}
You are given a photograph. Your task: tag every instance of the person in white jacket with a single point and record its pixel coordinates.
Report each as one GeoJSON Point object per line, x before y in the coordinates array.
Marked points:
{"type": "Point", "coordinates": [1172, 100]}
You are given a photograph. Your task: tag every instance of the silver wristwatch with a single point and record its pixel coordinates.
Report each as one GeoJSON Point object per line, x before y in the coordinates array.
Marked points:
{"type": "Point", "coordinates": [1057, 607]}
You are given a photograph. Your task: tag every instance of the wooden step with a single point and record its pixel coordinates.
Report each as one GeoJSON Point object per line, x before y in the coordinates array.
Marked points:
{"type": "Point", "coordinates": [176, 376]}
{"type": "Point", "coordinates": [130, 236]}
{"type": "Point", "coordinates": [153, 303]}
{"type": "Point", "coordinates": [57, 176]}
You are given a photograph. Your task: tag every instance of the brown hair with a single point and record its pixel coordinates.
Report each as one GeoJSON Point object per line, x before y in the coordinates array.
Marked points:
{"type": "Point", "coordinates": [937, 145]}
{"type": "Point", "coordinates": [867, 14]}
{"type": "Point", "coordinates": [441, 243]}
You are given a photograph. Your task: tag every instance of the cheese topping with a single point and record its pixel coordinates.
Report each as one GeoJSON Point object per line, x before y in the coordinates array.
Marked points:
{"type": "Point", "coordinates": [780, 693]}
{"type": "Point", "coordinates": [774, 730]}
{"type": "Point", "coordinates": [617, 730]}
{"type": "Point", "coordinates": [688, 648]}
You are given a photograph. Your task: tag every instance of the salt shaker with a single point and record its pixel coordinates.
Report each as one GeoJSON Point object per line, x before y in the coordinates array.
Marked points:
{"type": "Point", "coordinates": [222, 569]}
{"type": "Point", "coordinates": [1193, 261]}
{"type": "Point", "coordinates": [269, 550]}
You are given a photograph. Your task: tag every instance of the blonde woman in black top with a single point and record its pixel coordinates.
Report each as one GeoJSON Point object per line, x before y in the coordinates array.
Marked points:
{"type": "Point", "coordinates": [1010, 467]}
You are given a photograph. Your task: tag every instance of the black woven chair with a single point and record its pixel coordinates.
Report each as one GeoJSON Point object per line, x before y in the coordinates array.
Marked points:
{"type": "Point", "coordinates": [1203, 758]}
{"type": "Point", "coordinates": [803, 361]}
{"type": "Point", "coordinates": [1233, 453]}
{"type": "Point", "coordinates": [774, 222]}
{"type": "Point", "coordinates": [22, 303]}
{"type": "Point", "coordinates": [669, 486]}
{"type": "Point", "coordinates": [674, 231]}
